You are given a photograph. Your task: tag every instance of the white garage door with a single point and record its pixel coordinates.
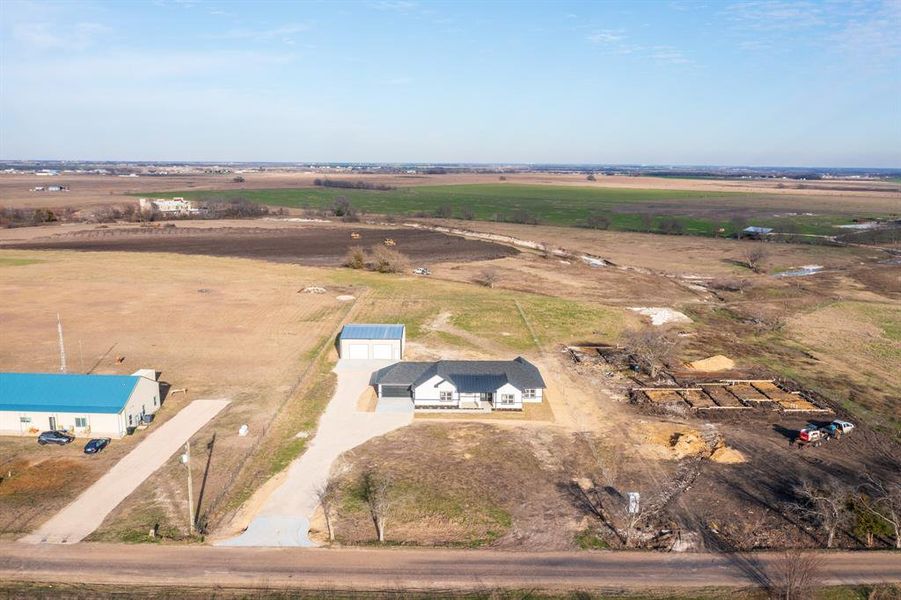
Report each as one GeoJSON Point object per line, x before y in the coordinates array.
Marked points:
{"type": "Point", "coordinates": [382, 351]}
{"type": "Point", "coordinates": [358, 351]}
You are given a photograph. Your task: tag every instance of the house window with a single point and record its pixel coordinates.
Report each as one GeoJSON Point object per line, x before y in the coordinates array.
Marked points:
{"type": "Point", "coordinates": [508, 399]}
{"type": "Point", "coordinates": [528, 394]}
{"type": "Point", "coordinates": [446, 396]}
{"type": "Point", "coordinates": [81, 422]}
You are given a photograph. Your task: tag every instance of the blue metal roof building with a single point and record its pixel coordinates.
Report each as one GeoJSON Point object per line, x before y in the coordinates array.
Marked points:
{"type": "Point", "coordinates": [372, 331]}
{"type": "Point", "coordinates": [58, 392]}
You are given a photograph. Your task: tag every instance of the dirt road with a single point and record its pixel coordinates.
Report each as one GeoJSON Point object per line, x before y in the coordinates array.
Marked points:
{"type": "Point", "coordinates": [86, 513]}
{"type": "Point", "coordinates": [381, 569]}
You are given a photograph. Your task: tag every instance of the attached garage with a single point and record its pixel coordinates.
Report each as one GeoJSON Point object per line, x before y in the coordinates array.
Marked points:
{"type": "Point", "coordinates": [372, 341]}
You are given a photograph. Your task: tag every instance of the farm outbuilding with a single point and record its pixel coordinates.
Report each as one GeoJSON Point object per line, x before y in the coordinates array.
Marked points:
{"type": "Point", "coordinates": [89, 405]}
{"type": "Point", "coordinates": [368, 341]}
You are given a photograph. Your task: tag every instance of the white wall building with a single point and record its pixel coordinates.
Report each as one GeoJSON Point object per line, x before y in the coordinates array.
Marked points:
{"type": "Point", "coordinates": [86, 405]}
{"type": "Point", "coordinates": [367, 341]}
{"type": "Point", "coordinates": [462, 384]}
{"type": "Point", "coordinates": [178, 207]}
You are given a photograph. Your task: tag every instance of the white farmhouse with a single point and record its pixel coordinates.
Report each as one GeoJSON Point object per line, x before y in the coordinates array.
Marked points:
{"type": "Point", "coordinates": [88, 405]}
{"type": "Point", "coordinates": [462, 384]}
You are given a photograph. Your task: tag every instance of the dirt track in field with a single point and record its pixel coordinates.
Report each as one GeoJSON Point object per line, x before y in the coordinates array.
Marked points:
{"type": "Point", "coordinates": [320, 246]}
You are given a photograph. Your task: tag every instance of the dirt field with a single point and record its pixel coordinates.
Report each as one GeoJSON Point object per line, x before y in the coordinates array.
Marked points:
{"type": "Point", "coordinates": [95, 190]}
{"type": "Point", "coordinates": [299, 245]}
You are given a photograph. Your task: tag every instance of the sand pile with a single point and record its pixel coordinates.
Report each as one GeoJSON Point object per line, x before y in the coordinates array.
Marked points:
{"type": "Point", "coordinates": [713, 363]}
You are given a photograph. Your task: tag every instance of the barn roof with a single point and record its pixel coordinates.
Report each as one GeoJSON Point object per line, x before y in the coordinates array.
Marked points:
{"type": "Point", "coordinates": [372, 331]}
{"type": "Point", "coordinates": [58, 392]}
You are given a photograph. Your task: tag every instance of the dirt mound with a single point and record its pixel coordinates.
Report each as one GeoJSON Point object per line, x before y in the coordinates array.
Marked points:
{"type": "Point", "coordinates": [713, 363]}
{"type": "Point", "coordinates": [727, 455]}
{"type": "Point", "coordinates": [670, 441]}
{"type": "Point", "coordinates": [661, 315]}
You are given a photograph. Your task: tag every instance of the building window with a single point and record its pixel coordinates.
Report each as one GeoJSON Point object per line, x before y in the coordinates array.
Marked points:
{"type": "Point", "coordinates": [508, 399]}
{"type": "Point", "coordinates": [528, 394]}
{"type": "Point", "coordinates": [446, 396]}
{"type": "Point", "coordinates": [81, 422]}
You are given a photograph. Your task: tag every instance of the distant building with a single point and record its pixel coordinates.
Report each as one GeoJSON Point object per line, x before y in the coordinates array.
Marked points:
{"type": "Point", "coordinates": [88, 405]}
{"type": "Point", "coordinates": [756, 232]}
{"type": "Point", "coordinates": [176, 207]}
{"type": "Point", "coordinates": [50, 188]}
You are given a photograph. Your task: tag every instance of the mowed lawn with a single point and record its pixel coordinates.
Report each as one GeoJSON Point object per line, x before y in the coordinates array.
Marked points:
{"type": "Point", "coordinates": [699, 213]}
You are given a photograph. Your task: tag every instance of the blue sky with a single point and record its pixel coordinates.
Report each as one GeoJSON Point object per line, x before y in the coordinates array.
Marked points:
{"type": "Point", "coordinates": [770, 82]}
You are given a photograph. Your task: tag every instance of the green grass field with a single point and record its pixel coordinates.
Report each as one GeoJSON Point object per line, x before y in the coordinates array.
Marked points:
{"type": "Point", "coordinates": [699, 213]}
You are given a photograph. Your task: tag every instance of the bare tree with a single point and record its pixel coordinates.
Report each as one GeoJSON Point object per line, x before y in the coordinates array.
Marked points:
{"type": "Point", "coordinates": [767, 320]}
{"type": "Point", "coordinates": [375, 491]}
{"type": "Point", "coordinates": [445, 211]}
{"type": "Point", "coordinates": [327, 494]}
{"type": "Point", "coordinates": [597, 220]}
{"type": "Point", "coordinates": [885, 503]}
{"type": "Point", "coordinates": [824, 503]}
{"type": "Point", "coordinates": [650, 348]}
{"type": "Point", "coordinates": [343, 208]}
{"type": "Point", "coordinates": [388, 260]}
{"type": "Point", "coordinates": [795, 575]}
{"type": "Point", "coordinates": [647, 221]}
{"type": "Point", "coordinates": [730, 285]}
{"type": "Point", "coordinates": [487, 278]}
{"type": "Point", "coordinates": [754, 258]}
{"type": "Point", "coordinates": [355, 258]}
{"type": "Point", "coordinates": [627, 519]}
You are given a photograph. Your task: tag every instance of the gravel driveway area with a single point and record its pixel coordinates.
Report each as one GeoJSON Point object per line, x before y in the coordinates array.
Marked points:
{"type": "Point", "coordinates": [284, 519]}
{"type": "Point", "coordinates": [85, 514]}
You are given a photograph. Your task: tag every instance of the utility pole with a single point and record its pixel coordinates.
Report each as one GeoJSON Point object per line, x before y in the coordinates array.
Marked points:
{"type": "Point", "coordinates": [62, 347]}
{"type": "Point", "coordinates": [186, 460]}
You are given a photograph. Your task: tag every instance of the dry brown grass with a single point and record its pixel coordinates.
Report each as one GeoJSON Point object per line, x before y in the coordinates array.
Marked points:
{"type": "Point", "coordinates": [217, 327]}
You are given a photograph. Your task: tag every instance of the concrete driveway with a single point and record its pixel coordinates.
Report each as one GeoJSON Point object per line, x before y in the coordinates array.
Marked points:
{"type": "Point", "coordinates": [284, 519]}
{"type": "Point", "coordinates": [85, 514]}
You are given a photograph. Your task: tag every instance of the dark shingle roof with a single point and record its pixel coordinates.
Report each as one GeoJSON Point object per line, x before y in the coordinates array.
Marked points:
{"type": "Point", "coordinates": [466, 375]}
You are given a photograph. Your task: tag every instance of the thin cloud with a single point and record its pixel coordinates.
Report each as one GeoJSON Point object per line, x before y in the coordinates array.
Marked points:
{"type": "Point", "coordinates": [615, 41]}
{"type": "Point", "coordinates": [605, 36]}
{"type": "Point", "coordinates": [48, 36]}
{"type": "Point", "coordinates": [282, 32]}
{"type": "Point", "coordinates": [396, 5]}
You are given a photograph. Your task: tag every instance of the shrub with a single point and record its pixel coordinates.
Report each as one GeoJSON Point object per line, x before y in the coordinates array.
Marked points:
{"type": "Point", "coordinates": [597, 221]}
{"type": "Point", "coordinates": [355, 258]}
{"type": "Point", "coordinates": [388, 260]}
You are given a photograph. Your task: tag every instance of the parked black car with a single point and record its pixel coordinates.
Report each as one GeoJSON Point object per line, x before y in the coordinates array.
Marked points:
{"type": "Point", "coordinates": [60, 438]}
{"type": "Point", "coordinates": [96, 445]}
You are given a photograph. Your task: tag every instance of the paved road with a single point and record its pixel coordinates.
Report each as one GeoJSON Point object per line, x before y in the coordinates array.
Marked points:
{"type": "Point", "coordinates": [284, 520]}
{"type": "Point", "coordinates": [85, 514]}
{"type": "Point", "coordinates": [435, 569]}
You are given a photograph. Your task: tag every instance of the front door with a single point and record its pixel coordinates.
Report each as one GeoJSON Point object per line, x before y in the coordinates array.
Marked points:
{"type": "Point", "coordinates": [52, 423]}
